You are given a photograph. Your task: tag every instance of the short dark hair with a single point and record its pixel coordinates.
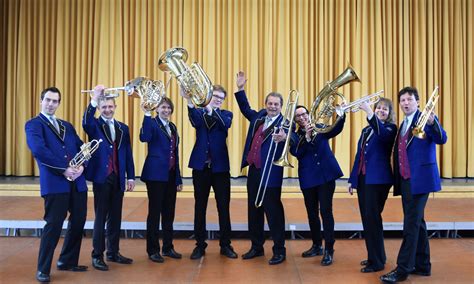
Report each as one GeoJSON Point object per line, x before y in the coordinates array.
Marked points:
{"type": "Point", "coordinates": [276, 95]}
{"type": "Point", "coordinates": [409, 90]}
{"type": "Point", "coordinates": [388, 103]}
{"type": "Point", "coordinates": [166, 100]}
{"type": "Point", "coordinates": [52, 90]}
{"type": "Point", "coordinates": [302, 106]}
{"type": "Point", "coordinates": [221, 89]}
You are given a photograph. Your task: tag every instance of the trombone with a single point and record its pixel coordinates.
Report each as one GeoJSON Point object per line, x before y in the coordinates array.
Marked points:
{"type": "Point", "coordinates": [283, 161]}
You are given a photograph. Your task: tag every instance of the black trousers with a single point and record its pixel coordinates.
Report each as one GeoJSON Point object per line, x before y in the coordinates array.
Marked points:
{"type": "Point", "coordinates": [319, 199]}
{"type": "Point", "coordinates": [220, 182]}
{"type": "Point", "coordinates": [372, 199]}
{"type": "Point", "coordinates": [108, 199]}
{"type": "Point", "coordinates": [415, 250]}
{"type": "Point", "coordinates": [56, 207]}
{"type": "Point", "coordinates": [271, 207]}
{"type": "Point", "coordinates": [161, 203]}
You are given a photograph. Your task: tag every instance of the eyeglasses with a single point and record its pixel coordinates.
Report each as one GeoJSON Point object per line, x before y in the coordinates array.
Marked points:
{"type": "Point", "coordinates": [301, 114]}
{"type": "Point", "coordinates": [219, 98]}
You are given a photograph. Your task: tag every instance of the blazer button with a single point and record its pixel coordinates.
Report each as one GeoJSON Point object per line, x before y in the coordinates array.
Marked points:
{"type": "Point", "coordinates": [65, 156]}
{"type": "Point", "coordinates": [111, 146]}
{"type": "Point", "coordinates": [64, 147]}
{"type": "Point", "coordinates": [317, 163]}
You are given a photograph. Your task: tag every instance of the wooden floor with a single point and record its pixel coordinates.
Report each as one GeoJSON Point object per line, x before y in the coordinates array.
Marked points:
{"type": "Point", "coordinates": [452, 262]}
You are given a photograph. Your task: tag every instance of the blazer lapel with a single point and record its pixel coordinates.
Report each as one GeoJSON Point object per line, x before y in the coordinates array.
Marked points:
{"type": "Point", "coordinates": [413, 123]}
{"type": "Point", "coordinates": [118, 133]}
{"type": "Point", "coordinates": [271, 128]}
{"type": "Point", "coordinates": [106, 130]}
{"type": "Point", "coordinates": [51, 126]}
{"type": "Point", "coordinates": [162, 127]}
{"type": "Point", "coordinates": [257, 123]}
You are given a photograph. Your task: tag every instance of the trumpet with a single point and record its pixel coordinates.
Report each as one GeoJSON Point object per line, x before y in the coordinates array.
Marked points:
{"type": "Point", "coordinates": [287, 124]}
{"type": "Point", "coordinates": [87, 149]}
{"type": "Point", "coordinates": [418, 130]}
{"type": "Point", "coordinates": [355, 105]}
{"type": "Point", "coordinates": [129, 88]}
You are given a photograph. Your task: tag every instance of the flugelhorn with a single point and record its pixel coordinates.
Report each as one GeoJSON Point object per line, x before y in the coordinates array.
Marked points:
{"type": "Point", "coordinates": [355, 105]}
{"type": "Point", "coordinates": [129, 88]}
{"type": "Point", "coordinates": [283, 161]}
{"type": "Point", "coordinates": [418, 130]}
{"type": "Point", "coordinates": [87, 149]}
{"type": "Point", "coordinates": [193, 80]}
{"type": "Point", "coordinates": [323, 108]}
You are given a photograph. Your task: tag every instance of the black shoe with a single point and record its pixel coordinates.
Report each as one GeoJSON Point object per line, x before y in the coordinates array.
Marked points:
{"type": "Point", "coordinates": [228, 251]}
{"type": "Point", "coordinates": [421, 272]}
{"type": "Point", "coordinates": [42, 277]}
{"type": "Point", "coordinates": [156, 257]}
{"type": "Point", "coordinates": [118, 258]}
{"type": "Point", "coordinates": [394, 276]}
{"type": "Point", "coordinates": [277, 259]}
{"type": "Point", "coordinates": [75, 268]}
{"type": "Point", "coordinates": [172, 253]}
{"type": "Point", "coordinates": [252, 253]}
{"type": "Point", "coordinates": [369, 269]}
{"type": "Point", "coordinates": [197, 253]}
{"type": "Point", "coordinates": [327, 258]}
{"type": "Point", "coordinates": [313, 251]}
{"type": "Point", "coordinates": [99, 264]}
{"type": "Point", "coordinates": [365, 262]}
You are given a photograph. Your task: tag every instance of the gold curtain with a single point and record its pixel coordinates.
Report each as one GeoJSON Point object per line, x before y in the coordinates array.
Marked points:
{"type": "Point", "coordinates": [280, 44]}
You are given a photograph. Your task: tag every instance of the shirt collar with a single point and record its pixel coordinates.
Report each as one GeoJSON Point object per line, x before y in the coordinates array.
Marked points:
{"type": "Point", "coordinates": [49, 116]}
{"type": "Point", "coordinates": [165, 122]}
{"type": "Point", "coordinates": [105, 119]}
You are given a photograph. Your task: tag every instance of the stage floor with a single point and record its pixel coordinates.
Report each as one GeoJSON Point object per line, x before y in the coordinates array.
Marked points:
{"type": "Point", "coordinates": [452, 262]}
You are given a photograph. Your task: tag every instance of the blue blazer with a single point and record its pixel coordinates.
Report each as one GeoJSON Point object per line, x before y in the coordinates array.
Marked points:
{"type": "Point", "coordinates": [378, 138]}
{"type": "Point", "coordinates": [424, 173]}
{"type": "Point", "coordinates": [316, 162]}
{"type": "Point", "coordinates": [53, 151]}
{"type": "Point", "coordinates": [256, 119]}
{"type": "Point", "coordinates": [97, 168]}
{"type": "Point", "coordinates": [157, 161]}
{"type": "Point", "coordinates": [211, 135]}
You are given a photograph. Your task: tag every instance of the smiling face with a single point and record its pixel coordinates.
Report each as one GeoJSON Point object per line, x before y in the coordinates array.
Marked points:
{"type": "Point", "coordinates": [107, 108]}
{"type": "Point", "coordinates": [164, 111]}
{"type": "Point", "coordinates": [382, 111]}
{"type": "Point", "coordinates": [218, 98]}
{"type": "Point", "coordinates": [50, 103]}
{"type": "Point", "coordinates": [301, 117]}
{"type": "Point", "coordinates": [408, 103]}
{"type": "Point", "coordinates": [273, 106]}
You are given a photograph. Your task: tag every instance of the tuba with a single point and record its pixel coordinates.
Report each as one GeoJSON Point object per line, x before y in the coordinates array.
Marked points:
{"type": "Point", "coordinates": [149, 91]}
{"type": "Point", "coordinates": [87, 149]}
{"type": "Point", "coordinates": [192, 79]}
{"type": "Point", "coordinates": [323, 110]}
{"type": "Point", "coordinates": [418, 130]}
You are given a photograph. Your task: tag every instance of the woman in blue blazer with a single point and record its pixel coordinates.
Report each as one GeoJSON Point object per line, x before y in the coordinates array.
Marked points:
{"type": "Point", "coordinates": [372, 176]}
{"type": "Point", "coordinates": [162, 177]}
{"type": "Point", "coordinates": [317, 170]}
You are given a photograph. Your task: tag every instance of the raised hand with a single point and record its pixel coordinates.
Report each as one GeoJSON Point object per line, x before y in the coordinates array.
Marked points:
{"type": "Point", "coordinates": [98, 92]}
{"type": "Point", "coordinates": [240, 80]}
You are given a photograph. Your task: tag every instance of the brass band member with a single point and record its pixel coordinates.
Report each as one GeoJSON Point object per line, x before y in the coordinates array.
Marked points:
{"type": "Point", "coordinates": [317, 171]}
{"type": "Point", "coordinates": [372, 176]}
{"type": "Point", "coordinates": [210, 163]}
{"type": "Point", "coordinates": [416, 175]}
{"type": "Point", "coordinates": [162, 177]}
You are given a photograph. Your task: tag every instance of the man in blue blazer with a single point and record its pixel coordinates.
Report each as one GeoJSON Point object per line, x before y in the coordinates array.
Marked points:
{"type": "Point", "coordinates": [416, 175]}
{"type": "Point", "coordinates": [210, 163]}
{"type": "Point", "coordinates": [261, 134]}
{"type": "Point", "coordinates": [107, 169]}
{"type": "Point", "coordinates": [53, 143]}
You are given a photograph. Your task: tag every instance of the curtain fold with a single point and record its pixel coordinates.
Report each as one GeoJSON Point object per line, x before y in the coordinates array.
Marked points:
{"type": "Point", "coordinates": [279, 44]}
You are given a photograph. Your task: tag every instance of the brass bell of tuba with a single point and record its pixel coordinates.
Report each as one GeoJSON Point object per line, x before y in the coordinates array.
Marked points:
{"type": "Point", "coordinates": [192, 79]}
{"type": "Point", "coordinates": [323, 114]}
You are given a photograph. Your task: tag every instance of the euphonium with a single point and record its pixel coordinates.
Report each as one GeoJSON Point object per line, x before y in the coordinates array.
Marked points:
{"type": "Point", "coordinates": [87, 149]}
{"type": "Point", "coordinates": [418, 130]}
{"type": "Point", "coordinates": [192, 79]}
{"type": "Point", "coordinates": [322, 111]}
